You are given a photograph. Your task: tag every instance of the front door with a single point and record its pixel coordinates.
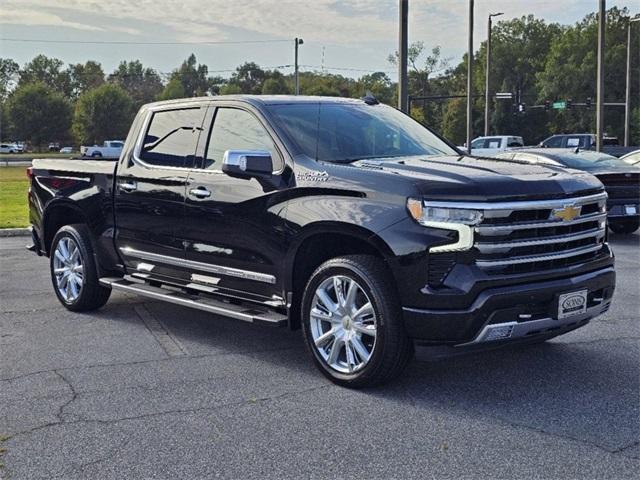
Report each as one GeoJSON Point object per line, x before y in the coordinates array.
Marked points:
{"type": "Point", "coordinates": [233, 227]}
{"type": "Point", "coordinates": [150, 191]}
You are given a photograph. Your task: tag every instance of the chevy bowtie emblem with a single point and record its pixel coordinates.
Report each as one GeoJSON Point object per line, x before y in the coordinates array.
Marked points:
{"type": "Point", "coordinates": [567, 213]}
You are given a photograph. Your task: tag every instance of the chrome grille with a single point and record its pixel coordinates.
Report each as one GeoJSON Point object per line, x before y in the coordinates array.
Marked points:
{"type": "Point", "coordinates": [523, 237]}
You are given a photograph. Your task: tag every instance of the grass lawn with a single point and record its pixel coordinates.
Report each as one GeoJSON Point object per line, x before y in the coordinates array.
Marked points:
{"type": "Point", "coordinates": [14, 185]}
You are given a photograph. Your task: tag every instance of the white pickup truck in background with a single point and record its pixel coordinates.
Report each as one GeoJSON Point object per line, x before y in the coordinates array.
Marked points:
{"type": "Point", "coordinates": [489, 146]}
{"type": "Point", "coordinates": [109, 149]}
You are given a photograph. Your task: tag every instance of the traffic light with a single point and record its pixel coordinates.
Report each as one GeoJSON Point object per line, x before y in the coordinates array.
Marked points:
{"type": "Point", "coordinates": [547, 105]}
{"type": "Point", "coordinates": [569, 104]}
{"type": "Point", "coordinates": [588, 102]}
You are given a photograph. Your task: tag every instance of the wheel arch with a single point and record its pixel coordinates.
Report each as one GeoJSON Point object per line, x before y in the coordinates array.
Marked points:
{"type": "Point", "coordinates": [318, 243]}
{"type": "Point", "coordinates": [58, 214]}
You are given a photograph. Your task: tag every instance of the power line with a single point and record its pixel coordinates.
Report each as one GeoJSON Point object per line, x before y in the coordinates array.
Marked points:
{"type": "Point", "coordinates": [125, 42]}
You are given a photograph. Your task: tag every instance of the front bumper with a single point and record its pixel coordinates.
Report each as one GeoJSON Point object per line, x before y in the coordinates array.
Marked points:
{"type": "Point", "coordinates": [524, 311]}
{"type": "Point", "coordinates": [623, 209]}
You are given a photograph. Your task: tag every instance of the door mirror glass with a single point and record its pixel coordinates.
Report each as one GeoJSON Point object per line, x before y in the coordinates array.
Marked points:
{"type": "Point", "coordinates": [247, 163]}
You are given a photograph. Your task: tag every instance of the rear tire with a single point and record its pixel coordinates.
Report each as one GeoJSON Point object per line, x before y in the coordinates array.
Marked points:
{"type": "Point", "coordinates": [352, 322]}
{"type": "Point", "coordinates": [624, 226]}
{"type": "Point", "coordinates": [73, 270]}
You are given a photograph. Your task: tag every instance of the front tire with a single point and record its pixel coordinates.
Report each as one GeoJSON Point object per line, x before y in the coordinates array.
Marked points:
{"type": "Point", "coordinates": [624, 226]}
{"type": "Point", "coordinates": [352, 322]}
{"type": "Point", "coordinates": [73, 270]}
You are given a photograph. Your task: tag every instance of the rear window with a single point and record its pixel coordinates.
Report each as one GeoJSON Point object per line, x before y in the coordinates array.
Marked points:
{"type": "Point", "coordinates": [172, 137]}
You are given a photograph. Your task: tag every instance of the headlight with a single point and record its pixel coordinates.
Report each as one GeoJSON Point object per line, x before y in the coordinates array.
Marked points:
{"type": "Point", "coordinates": [460, 220]}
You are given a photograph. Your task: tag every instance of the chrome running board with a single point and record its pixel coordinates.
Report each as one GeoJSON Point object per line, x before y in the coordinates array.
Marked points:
{"type": "Point", "coordinates": [247, 312]}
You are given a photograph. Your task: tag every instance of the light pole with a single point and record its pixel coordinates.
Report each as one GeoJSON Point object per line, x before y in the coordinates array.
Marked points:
{"type": "Point", "coordinates": [470, 80]}
{"type": "Point", "coordinates": [298, 42]}
{"type": "Point", "coordinates": [627, 100]}
{"type": "Point", "coordinates": [602, 13]}
{"type": "Point", "coordinates": [403, 40]}
{"type": "Point", "coordinates": [487, 93]}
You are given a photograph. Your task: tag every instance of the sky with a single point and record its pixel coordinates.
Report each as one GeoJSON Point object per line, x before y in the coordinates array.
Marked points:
{"type": "Point", "coordinates": [347, 37]}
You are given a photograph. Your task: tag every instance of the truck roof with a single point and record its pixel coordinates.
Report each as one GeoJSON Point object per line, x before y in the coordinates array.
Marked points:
{"type": "Point", "coordinates": [262, 99]}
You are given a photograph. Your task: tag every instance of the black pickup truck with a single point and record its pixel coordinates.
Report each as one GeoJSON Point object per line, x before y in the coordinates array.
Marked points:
{"type": "Point", "coordinates": [343, 217]}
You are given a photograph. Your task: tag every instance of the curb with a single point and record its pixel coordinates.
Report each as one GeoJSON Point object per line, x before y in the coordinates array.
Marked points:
{"type": "Point", "coordinates": [14, 232]}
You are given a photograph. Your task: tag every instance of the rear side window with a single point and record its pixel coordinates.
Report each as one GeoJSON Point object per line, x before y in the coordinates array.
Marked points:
{"type": "Point", "coordinates": [235, 129]}
{"type": "Point", "coordinates": [172, 137]}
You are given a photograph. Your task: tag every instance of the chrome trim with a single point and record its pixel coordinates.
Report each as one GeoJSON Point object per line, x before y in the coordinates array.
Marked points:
{"type": "Point", "coordinates": [595, 233]}
{"type": "Point", "coordinates": [206, 267]}
{"type": "Point", "coordinates": [239, 312]}
{"type": "Point", "coordinates": [146, 267]}
{"type": "Point", "coordinates": [516, 205]}
{"type": "Point", "coordinates": [465, 236]}
{"type": "Point", "coordinates": [544, 325]}
{"type": "Point", "coordinates": [539, 258]}
{"type": "Point", "coordinates": [506, 229]}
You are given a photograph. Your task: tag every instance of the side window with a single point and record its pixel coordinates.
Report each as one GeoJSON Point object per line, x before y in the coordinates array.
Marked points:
{"type": "Point", "coordinates": [172, 137]}
{"type": "Point", "coordinates": [574, 141]}
{"type": "Point", "coordinates": [553, 142]}
{"type": "Point", "coordinates": [235, 129]}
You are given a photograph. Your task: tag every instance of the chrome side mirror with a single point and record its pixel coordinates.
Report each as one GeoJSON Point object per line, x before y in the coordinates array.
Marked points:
{"type": "Point", "coordinates": [247, 163]}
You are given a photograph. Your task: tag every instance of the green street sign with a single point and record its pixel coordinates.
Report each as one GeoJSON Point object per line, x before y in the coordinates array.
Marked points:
{"type": "Point", "coordinates": [559, 105]}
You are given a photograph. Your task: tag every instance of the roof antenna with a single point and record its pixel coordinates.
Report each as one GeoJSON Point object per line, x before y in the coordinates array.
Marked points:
{"type": "Point", "coordinates": [370, 98]}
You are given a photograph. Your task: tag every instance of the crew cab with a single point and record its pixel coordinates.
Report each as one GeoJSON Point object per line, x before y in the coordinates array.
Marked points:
{"type": "Point", "coordinates": [489, 146]}
{"type": "Point", "coordinates": [345, 218]}
{"type": "Point", "coordinates": [109, 149]}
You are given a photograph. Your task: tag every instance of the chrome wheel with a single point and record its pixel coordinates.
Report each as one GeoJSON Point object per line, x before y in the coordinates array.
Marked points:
{"type": "Point", "coordinates": [343, 324]}
{"type": "Point", "coordinates": [68, 269]}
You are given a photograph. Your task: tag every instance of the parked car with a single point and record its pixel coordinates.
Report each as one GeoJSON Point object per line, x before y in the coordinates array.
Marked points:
{"type": "Point", "coordinates": [632, 158]}
{"type": "Point", "coordinates": [343, 217]}
{"type": "Point", "coordinates": [109, 149]}
{"type": "Point", "coordinates": [621, 180]}
{"type": "Point", "coordinates": [489, 146]}
{"type": "Point", "coordinates": [66, 150]}
{"type": "Point", "coordinates": [54, 147]}
{"type": "Point", "coordinates": [9, 148]}
{"type": "Point", "coordinates": [586, 141]}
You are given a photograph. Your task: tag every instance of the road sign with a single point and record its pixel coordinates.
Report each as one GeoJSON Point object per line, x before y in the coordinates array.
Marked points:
{"type": "Point", "coordinates": [559, 105]}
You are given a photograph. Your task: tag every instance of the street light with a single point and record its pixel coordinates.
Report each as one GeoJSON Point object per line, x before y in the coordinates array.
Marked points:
{"type": "Point", "coordinates": [627, 101]}
{"type": "Point", "coordinates": [487, 93]}
{"type": "Point", "coordinates": [298, 42]}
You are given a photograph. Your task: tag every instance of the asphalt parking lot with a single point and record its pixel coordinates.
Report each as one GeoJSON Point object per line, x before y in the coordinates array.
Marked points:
{"type": "Point", "coordinates": [142, 389]}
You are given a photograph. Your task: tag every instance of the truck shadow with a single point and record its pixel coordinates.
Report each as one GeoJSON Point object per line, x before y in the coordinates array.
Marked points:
{"type": "Point", "coordinates": [584, 391]}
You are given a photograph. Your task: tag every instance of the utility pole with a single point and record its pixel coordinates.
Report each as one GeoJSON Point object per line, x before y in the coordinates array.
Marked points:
{"type": "Point", "coordinates": [602, 13]}
{"type": "Point", "coordinates": [470, 80]}
{"type": "Point", "coordinates": [403, 49]}
{"type": "Point", "coordinates": [627, 100]}
{"type": "Point", "coordinates": [298, 42]}
{"type": "Point", "coordinates": [487, 94]}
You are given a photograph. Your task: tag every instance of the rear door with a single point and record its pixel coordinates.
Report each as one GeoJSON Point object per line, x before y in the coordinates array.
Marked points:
{"type": "Point", "coordinates": [233, 231]}
{"type": "Point", "coordinates": [150, 190]}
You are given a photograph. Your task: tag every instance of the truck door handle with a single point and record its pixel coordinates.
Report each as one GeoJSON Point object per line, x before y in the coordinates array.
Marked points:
{"type": "Point", "coordinates": [200, 192]}
{"type": "Point", "coordinates": [128, 186]}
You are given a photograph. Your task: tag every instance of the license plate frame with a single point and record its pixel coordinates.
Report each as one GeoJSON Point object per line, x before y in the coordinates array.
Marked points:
{"type": "Point", "coordinates": [572, 303]}
{"type": "Point", "coordinates": [630, 210]}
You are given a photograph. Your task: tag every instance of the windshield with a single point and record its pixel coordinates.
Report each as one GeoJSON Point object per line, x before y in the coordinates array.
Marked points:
{"type": "Point", "coordinates": [343, 132]}
{"type": "Point", "coordinates": [588, 159]}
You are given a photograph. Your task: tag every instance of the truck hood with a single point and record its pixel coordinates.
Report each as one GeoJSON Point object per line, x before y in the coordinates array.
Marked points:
{"type": "Point", "coordinates": [485, 179]}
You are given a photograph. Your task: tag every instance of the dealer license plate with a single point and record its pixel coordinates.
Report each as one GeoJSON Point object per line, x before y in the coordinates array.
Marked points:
{"type": "Point", "coordinates": [573, 303]}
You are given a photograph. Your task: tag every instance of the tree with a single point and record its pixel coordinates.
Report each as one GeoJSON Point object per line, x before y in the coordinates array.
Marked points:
{"type": "Point", "coordinates": [8, 76]}
{"type": "Point", "coordinates": [377, 83]}
{"type": "Point", "coordinates": [249, 77]}
{"type": "Point", "coordinates": [454, 122]}
{"type": "Point", "coordinates": [85, 77]}
{"type": "Point", "coordinates": [39, 114]}
{"type": "Point", "coordinates": [42, 69]}
{"type": "Point", "coordinates": [173, 89]}
{"type": "Point", "coordinates": [193, 77]}
{"type": "Point", "coordinates": [103, 113]}
{"type": "Point", "coordinates": [230, 89]}
{"type": "Point", "coordinates": [142, 84]}
{"type": "Point", "coordinates": [275, 86]}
